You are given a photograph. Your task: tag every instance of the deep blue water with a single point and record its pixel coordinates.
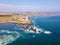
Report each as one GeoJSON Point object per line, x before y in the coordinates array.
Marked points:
{"type": "Point", "coordinates": [50, 23]}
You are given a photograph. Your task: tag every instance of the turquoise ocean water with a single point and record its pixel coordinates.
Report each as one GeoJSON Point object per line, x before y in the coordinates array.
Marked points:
{"type": "Point", "coordinates": [47, 23]}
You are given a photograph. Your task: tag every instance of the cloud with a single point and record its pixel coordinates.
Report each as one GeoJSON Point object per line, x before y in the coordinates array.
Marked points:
{"type": "Point", "coordinates": [4, 5]}
{"type": "Point", "coordinates": [8, 7]}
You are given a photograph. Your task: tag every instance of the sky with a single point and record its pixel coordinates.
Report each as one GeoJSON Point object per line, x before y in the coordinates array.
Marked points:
{"type": "Point", "coordinates": [29, 5]}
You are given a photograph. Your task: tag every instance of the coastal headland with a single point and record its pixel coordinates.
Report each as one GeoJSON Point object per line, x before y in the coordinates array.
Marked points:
{"type": "Point", "coordinates": [19, 19]}
{"type": "Point", "coordinates": [23, 17]}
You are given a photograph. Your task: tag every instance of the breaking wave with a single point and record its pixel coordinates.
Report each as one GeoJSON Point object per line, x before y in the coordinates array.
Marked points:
{"type": "Point", "coordinates": [47, 32]}
{"type": "Point", "coordinates": [7, 36]}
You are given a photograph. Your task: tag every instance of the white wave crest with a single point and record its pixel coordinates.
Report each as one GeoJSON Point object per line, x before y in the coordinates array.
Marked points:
{"type": "Point", "coordinates": [5, 39]}
{"type": "Point", "coordinates": [47, 32]}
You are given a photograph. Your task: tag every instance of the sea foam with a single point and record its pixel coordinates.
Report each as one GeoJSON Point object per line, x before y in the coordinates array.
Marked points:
{"type": "Point", "coordinates": [47, 32]}
{"type": "Point", "coordinates": [5, 39]}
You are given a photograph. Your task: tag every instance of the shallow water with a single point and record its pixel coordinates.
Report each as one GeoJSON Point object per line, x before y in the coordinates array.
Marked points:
{"type": "Point", "coordinates": [46, 23]}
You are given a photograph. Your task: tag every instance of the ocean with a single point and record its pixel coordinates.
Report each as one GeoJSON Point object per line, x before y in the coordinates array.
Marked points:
{"type": "Point", "coordinates": [46, 23]}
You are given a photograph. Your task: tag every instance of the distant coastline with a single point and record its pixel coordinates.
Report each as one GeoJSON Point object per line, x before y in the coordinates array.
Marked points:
{"type": "Point", "coordinates": [32, 13]}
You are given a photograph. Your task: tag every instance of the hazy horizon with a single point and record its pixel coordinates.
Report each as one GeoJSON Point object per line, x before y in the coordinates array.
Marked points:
{"type": "Point", "coordinates": [29, 5]}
